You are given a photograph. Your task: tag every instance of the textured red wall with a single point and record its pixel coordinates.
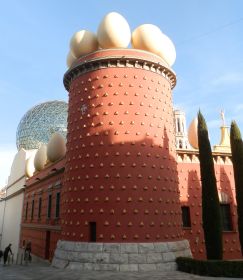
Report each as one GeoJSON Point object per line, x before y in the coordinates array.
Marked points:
{"type": "Point", "coordinates": [121, 169]}
{"type": "Point", "coordinates": [48, 181]}
{"type": "Point", "coordinates": [190, 188]}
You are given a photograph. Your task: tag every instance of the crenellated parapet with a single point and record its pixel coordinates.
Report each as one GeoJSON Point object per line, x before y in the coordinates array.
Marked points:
{"type": "Point", "coordinates": [192, 156]}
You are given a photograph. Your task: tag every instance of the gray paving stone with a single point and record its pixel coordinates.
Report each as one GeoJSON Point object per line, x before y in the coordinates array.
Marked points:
{"type": "Point", "coordinates": [88, 266]}
{"type": "Point", "coordinates": [146, 267]}
{"type": "Point", "coordinates": [162, 266]}
{"type": "Point", "coordinates": [136, 258]}
{"type": "Point", "coordinates": [129, 248]}
{"type": "Point", "coordinates": [172, 246]}
{"type": "Point", "coordinates": [112, 247]}
{"type": "Point", "coordinates": [188, 253]}
{"type": "Point", "coordinates": [154, 258]}
{"type": "Point", "coordinates": [75, 266]}
{"type": "Point", "coordinates": [182, 245]}
{"type": "Point", "coordinates": [161, 247]}
{"type": "Point", "coordinates": [67, 245]}
{"type": "Point", "coordinates": [145, 247]}
{"type": "Point", "coordinates": [118, 258]}
{"type": "Point", "coordinates": [180, 254]}
{"type": "Point", "coordinates": [61, 254]}
{"type": "Point", "coordinates": [106, 267]}
{"type": "Point", "coordinates": [86, 257]}
{"type": "Point", "coordinates": [73, 256]}
{"type": "Point", "coordinates": [59, 263]}
{"type": "Point", "coordinates": [41, 270]}
{"type": "Point", "coordinates": [166, 266]}
{"type": "Point", "coordinates": [101, 258]}
{"type": "Point", "coordinates": [129, 267]}
{"type": "Point", "coordinates": [81, 246]}
{"type": "Point", "coordinates": [95, 247]}
{"type": "Point", "coordinates": [187, 244]}
{"type": "Point", "coordinates": [168, 257]}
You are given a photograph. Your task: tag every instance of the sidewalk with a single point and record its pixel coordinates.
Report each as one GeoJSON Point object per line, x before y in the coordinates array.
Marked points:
{"type": "Point", "coordinates": [39, 271]}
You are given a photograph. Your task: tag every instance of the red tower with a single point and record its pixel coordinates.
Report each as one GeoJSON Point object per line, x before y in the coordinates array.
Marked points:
{"type": "Point", "coordinates": [120, 181]}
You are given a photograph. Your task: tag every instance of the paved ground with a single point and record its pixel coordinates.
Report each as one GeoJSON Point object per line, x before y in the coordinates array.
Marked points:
{"type": "Point", "coordinates": [44, 271]}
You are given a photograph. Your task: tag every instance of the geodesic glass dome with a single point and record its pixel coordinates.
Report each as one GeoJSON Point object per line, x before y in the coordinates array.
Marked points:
{"type": "Point", "coordinates": [40, 122]}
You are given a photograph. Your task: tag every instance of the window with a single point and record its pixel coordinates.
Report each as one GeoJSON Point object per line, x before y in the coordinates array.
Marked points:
{"type": "Point", "coordinates": [26, 211]}
{"type": "Point", "coordinates": [178, 125]}
{"type": "Point", "coordinates": [186, 219]}
{"type": "Point", "coordinates": [180, 144]}
{"type": "Point", "coordinates": [57, 205]}
{"type": "Point", "coordinates": [39, 207]}
{"type": "Point", "coordinates": [49, 206]}
{"type": "Point", "coordinates": [92, 231]}
{"type": "Point", "coordinates": [226, 217]}
{"type": "Point", "coordinates": [32, 209]}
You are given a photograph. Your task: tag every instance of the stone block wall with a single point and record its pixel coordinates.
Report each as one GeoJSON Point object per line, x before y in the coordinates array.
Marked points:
{"type": "Point", "coordinates": [120, 256]}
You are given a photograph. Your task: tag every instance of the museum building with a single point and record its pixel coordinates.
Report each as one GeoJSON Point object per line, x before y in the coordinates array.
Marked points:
{"type": "Point", "coordinates": [123, 191]}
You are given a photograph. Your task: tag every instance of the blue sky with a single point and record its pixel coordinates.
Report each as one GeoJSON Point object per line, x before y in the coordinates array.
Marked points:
{"type": "Point", "coordinates": [35, 40]}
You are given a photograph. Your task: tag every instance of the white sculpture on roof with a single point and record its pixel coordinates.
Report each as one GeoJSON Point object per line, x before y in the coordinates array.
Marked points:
{"type": "Point", "coordinates": [114, 32]}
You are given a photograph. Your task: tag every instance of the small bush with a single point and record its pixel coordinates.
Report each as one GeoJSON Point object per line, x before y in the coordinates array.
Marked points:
{"type": "Point", "coordinates": [216, 268]}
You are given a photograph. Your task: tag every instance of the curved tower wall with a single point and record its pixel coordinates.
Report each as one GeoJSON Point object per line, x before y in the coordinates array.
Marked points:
{"type": "Point", "coordinates": [121, 171]}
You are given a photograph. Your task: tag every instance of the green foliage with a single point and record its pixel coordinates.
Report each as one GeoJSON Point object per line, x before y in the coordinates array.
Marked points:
{"type": "Point", "coordinates": [211, 217]}
{"type": "Point", "coordinates": [214, 268]}
{"type": "Point", "coordinates": [237, 159]}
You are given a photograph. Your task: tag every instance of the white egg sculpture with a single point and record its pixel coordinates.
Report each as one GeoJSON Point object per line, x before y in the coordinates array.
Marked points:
{"type": "Point", "coordinates": [40, 158]}
{"type": "Point", "coordinates": [192, 133]}
{"type": "Point", "coordinates": [114, 32]}
{"type": "Point", "coordinates": [150, 38]}
{"type": "Point", "coordinates": [83, 42]}
{"type": "Point", "coordinates": [56, 147]}
{"type": "Point", "coordinates": [70, 59]}
{"type": "Point", "coordinates": [30, 167]}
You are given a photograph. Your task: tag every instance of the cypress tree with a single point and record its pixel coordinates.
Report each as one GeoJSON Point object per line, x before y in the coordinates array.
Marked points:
{"type": "Point", "coordinates": [237, 159]}
{"type": "Point", "coordinates": [211, 216]}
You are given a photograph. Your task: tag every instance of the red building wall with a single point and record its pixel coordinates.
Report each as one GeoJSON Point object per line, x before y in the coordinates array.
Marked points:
{"type": "Point", "coordinates": [36, 230]}
{"type": "Point", "coordinates": [121, 168]}
{"type": "Point", "coordinates": [42, 232]}
{"type": "Point", "coordinates": [190, 195]}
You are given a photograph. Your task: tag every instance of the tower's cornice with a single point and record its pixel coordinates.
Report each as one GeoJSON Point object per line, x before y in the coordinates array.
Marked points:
{"type": "Point", "coordinates": [128, 58]}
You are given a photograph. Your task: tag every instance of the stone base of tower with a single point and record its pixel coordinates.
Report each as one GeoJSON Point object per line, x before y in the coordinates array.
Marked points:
{"type": "Point", "coordinates": [120, 256]}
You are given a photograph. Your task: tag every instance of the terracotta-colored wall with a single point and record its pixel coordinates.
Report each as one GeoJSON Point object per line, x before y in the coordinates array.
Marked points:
{"type": "Point", "coordinates": [38, 241]}
{"type": "Point", "coordinates": [121, 169]}
{"type": "Point", "coordinates": [190, 195]}
{"type": "Point", "coordinates": [48, 181]}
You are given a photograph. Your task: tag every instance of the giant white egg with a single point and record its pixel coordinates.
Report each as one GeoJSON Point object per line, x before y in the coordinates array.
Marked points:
{"type": "Point", "coordinates": [30, 167]}
{"type": "Point", "coordinates": [114, 32]}
{"type": "Point", "coordinates": [70, 59]}
{"type": "Point", "coordinates": [56, 147]}
{"type": "Point", "coordinates": [83, 42]}
{"type": "Point", "coordinates": [150, 38]}
{"type": "Point", "coordinates": [192, 133]}
{"type": "Point", "coordinates": [40, 158]}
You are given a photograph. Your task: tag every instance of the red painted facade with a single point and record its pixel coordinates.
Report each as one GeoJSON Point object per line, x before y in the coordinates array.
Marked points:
{"type": "Point", "coordinates": [190, 195]}
{"type": "Point", "coordinates": [41, 230]}
{"type": "Point", "coordinates": [121, 169]}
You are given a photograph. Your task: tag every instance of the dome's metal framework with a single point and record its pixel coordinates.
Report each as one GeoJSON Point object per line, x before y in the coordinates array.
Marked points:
{"type": "Point", "coordinates": [40, 122]}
